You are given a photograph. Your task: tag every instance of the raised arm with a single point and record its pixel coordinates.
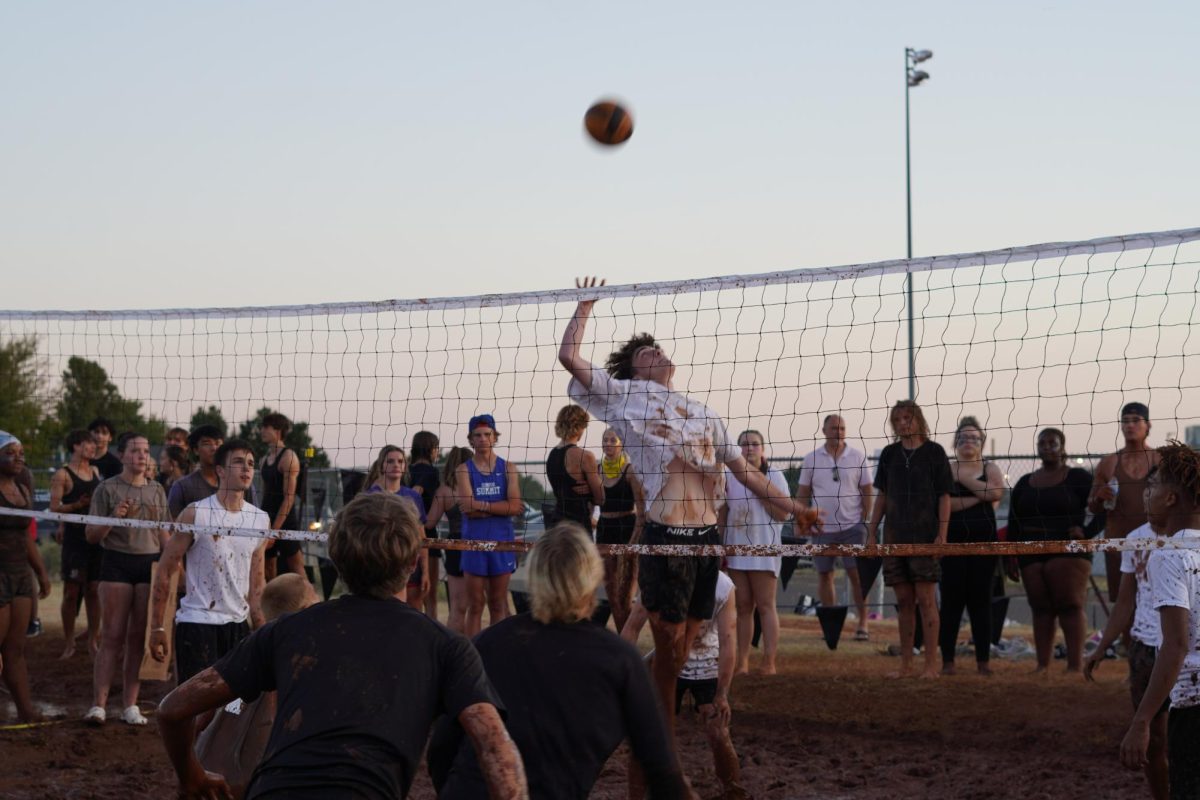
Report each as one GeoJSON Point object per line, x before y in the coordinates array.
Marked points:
{"type": "Point", "coordinates": [568, 352]}
{"type": "Point", "coordinates": [495, 752]}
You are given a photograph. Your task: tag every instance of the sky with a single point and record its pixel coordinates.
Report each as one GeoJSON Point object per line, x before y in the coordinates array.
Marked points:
{"type": "Point", "coordinates": [227, 154]}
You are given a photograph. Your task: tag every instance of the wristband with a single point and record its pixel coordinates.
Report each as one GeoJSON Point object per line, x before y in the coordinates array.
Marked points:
{"type": "Point", "coordinates": [158, 630]}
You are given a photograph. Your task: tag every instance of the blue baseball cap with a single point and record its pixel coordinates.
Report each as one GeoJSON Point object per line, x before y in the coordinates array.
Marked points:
{"type": "Point", "coordinates": [481, 419]}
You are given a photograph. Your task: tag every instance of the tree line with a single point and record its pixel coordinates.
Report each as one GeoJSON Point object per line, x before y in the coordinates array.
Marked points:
{"type": "Point", "coordinates": [40, 415]}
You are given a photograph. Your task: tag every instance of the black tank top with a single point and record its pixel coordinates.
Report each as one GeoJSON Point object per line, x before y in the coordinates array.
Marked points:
{"type": "Point", "coordinates": [618, 498]}
{"type": "Point", "coordinates": [14, 530]}
{"type": "Point", "coordinates": [567, 502]}
{"type": "Point", "coordinates": [974, 524]}
{"type": "Point", "coordinates": [454, 522]}
{"type": "Point", "coordinates": [73, 531]}
{"type": "Point", "coordinates": [272, 500]}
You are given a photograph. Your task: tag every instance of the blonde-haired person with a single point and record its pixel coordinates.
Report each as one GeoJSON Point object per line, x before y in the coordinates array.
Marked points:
{"type": "Point", "coordinates": [621, 517]}
{"type": "Point", "coordinates": [445, 503]}
{"type": "Point", "coordinates": [571, 470]}
{"type": "Point", "coordinates": [745, 519]}
{"type": "Point", "coordinates": [366, 730]}
{"type": "Point", "coordinates": [549, 664]}
{"type": "Point", "coordinates": [967, 580]}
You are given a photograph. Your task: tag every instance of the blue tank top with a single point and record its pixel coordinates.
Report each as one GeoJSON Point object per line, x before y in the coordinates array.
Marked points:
{"type": "Point", "coordinates": [491, 488]}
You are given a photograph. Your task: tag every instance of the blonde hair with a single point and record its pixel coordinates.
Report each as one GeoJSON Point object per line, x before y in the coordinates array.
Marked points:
{"type": "Point", "coordinates": [572, 421]}
{"type": "Point", "coordinates": [285, 594]}
{"type": "Point", "coordinates": [374, 543]}
{"type": "Point", "coordinates": [564, 570]}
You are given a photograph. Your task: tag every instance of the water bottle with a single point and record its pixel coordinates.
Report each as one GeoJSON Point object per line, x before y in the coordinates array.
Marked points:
{"type": "Point", "coordinates": [1115, 486]}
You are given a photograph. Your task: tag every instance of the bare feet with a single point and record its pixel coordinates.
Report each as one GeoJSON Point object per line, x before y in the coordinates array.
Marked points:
{"type": "Point", "coordinates": [68, 651]}
{"type": "Point", "coordinates": [904, 672]}
{"type": "Point", "coordinates": [94, 646]}
{"type": "Point", "coordinates": [1040, 669]}
{"type": "Point", "coordinates": [983, 669]}
{"type": "Point", "coordinates": [766, 669]}
{"type": "Point", "coordinates": [948, 668]}
{"type": "Point", "coordinates": [930, 673]}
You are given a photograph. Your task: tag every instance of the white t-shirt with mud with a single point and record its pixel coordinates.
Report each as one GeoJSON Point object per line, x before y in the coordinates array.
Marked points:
{"type": "Point", "coordinates": [1146, 628]}
{"type": "Point", "coordinates": [703, 661]}
{"type": "Point", "coordinates": [656, 426]}
{"type": "Point", "coordinates": [218, 567]}
{"type": "Point", "coordinates": [1175, 581]}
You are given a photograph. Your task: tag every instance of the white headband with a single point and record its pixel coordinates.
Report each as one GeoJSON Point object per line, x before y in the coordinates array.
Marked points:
{"type": "Point", "coordinates": [7, 438]}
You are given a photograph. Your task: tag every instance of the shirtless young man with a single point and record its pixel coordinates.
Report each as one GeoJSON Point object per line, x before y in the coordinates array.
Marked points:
{"type": "Point", "coordinates": [1129, 466]}
{"type": "Point", "coordinates": [678, 447]}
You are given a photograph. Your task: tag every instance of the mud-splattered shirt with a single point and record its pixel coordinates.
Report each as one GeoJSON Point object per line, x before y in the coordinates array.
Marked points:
{"type": "Point", "coordinates": [1175, 581]}
{"type": "Point", "coordinates": [1146, 628]}
{"type": "Point", "coordinates": [656, 426]}
{"type": "Point", "coordinates": [360, 682]}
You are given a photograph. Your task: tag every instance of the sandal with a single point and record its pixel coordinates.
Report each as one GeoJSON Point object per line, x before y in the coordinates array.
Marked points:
{"type": "Point", "coordinates": [861, 636]}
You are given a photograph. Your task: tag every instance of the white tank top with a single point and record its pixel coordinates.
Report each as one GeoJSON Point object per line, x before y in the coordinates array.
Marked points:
{"type": "Point", "coordinates": [218, 567]}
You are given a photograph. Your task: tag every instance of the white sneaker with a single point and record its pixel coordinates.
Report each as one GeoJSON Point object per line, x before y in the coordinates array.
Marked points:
{"type": "Point", "coordinates": [133, 716]}
{"type": "Point", "coordinates": [95, 715]}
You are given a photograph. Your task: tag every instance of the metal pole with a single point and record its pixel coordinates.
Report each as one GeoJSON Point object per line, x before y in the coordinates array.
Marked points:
{"type": "Point", "coordinates": [908, 281]}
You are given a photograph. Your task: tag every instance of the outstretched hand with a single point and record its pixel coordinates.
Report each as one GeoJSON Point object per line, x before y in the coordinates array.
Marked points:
{"type": "Point", "coordinates": [589, 283]}
{"type": "Point", "coordinates": [208, 786]}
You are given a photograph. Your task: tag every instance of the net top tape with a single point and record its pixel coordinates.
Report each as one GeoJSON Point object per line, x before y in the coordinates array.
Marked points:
{"type": "Point", "coordinates": [1008, 255]}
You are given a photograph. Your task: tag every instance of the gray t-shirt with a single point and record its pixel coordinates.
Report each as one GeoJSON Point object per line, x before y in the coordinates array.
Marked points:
{"type": "Point", "coordinates": [151, 505]}
{"type": "Point", "coordinates": [187, 490]}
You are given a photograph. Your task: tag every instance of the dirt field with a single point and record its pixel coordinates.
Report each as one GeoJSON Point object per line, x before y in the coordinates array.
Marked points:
{"type": "Point", "coordinates": [830, 726]}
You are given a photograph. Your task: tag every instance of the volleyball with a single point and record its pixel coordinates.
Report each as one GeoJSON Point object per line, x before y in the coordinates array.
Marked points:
{"type": "Point", "coordinates": [608, 123]}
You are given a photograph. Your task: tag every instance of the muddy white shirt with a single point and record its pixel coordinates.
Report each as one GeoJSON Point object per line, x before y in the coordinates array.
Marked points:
{"type": "Point", "coordinates": [703, 657]}
{"type": "Point", "coordinates": [218, 567]}
{"type": "Point", "coordinates": [1175, 581]}
{"type": "Point", "coordinates": [656, 426]}
{"type": "Point", "coordinates": [1146, 628]}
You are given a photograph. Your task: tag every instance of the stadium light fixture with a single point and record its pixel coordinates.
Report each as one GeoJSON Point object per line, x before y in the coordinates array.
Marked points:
{"type": "Point", "coordinates": [912, 77]}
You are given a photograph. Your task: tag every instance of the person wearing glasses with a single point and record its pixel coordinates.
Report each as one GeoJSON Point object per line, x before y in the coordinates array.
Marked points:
{"type": "Point", "coordinates": [834, 479]}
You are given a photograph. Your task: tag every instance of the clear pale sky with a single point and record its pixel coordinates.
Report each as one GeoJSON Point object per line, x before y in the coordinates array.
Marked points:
{"type": "Point", "coordinates": [228, 153]}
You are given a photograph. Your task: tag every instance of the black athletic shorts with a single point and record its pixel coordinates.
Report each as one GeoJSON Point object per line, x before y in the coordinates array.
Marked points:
{"type": "Point", "coordinates": [199, 646]}
{"type": "Point", "coordinates": [81, 561]}
{"type": "Point", "coordinates": [286, 548]}
{"type": "Point", "coordinates": [1141, 665]}
{"type": "Point", "coordinates": [131, 568]}
{"type": "Point", "coordinates": [1183, 740]}
{"type": "Point", "coordinates": [704, 692]}
{"type": "Point", "coordinates": [679, 587]}
{"type": "Point", "coordinates": [615, 530]}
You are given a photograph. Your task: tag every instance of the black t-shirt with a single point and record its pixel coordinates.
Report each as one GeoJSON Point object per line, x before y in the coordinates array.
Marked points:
{"type": "Point", "coordinates": [1047, 513]}
{"type": "Point", "coordinates": [913, 480]}
{"type": "Point", "coordinates": [108, 464]}
{"type": "Point", "coordinates": [360, 682]}
{"type": "Point", "coordinates": [573, 693]}
{"type": "Point", "coordinates": [426, 477]}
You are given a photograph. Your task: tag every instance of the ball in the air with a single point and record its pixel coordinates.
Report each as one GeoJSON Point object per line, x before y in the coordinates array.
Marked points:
{"type": "Point", "coordinates": [608, 123]}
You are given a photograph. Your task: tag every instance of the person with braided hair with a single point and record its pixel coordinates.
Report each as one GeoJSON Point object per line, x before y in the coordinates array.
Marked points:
{"type": "Point", "coordinates": [1172, 503]}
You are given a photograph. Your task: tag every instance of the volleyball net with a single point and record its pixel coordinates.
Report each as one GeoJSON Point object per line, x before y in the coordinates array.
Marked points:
{"type": "Point", "coordinates": [1058, 334]}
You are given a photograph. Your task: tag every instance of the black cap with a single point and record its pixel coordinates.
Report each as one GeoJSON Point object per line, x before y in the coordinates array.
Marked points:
{"type": "Point", "coordinates": [1140, 409]}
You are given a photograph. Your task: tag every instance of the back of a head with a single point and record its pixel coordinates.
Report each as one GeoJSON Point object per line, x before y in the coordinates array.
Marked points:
{"type": "Point", "coordinates": [564, 570]}
{"type": "Point", "coordinates": [286, 594]}
{"type": "Point", "coordinates": [374, 542]}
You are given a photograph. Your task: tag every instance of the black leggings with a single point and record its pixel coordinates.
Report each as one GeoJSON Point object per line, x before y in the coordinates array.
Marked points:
{"type": "Point", "coordinates": [967, 584]}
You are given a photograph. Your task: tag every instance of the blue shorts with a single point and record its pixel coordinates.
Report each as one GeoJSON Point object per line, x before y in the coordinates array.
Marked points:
{"type": "Point", "coordinates": [487, 565]}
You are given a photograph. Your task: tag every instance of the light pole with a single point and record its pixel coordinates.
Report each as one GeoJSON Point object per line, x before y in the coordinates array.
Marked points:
{"type": "Point", "coordinates": [912, 77]}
